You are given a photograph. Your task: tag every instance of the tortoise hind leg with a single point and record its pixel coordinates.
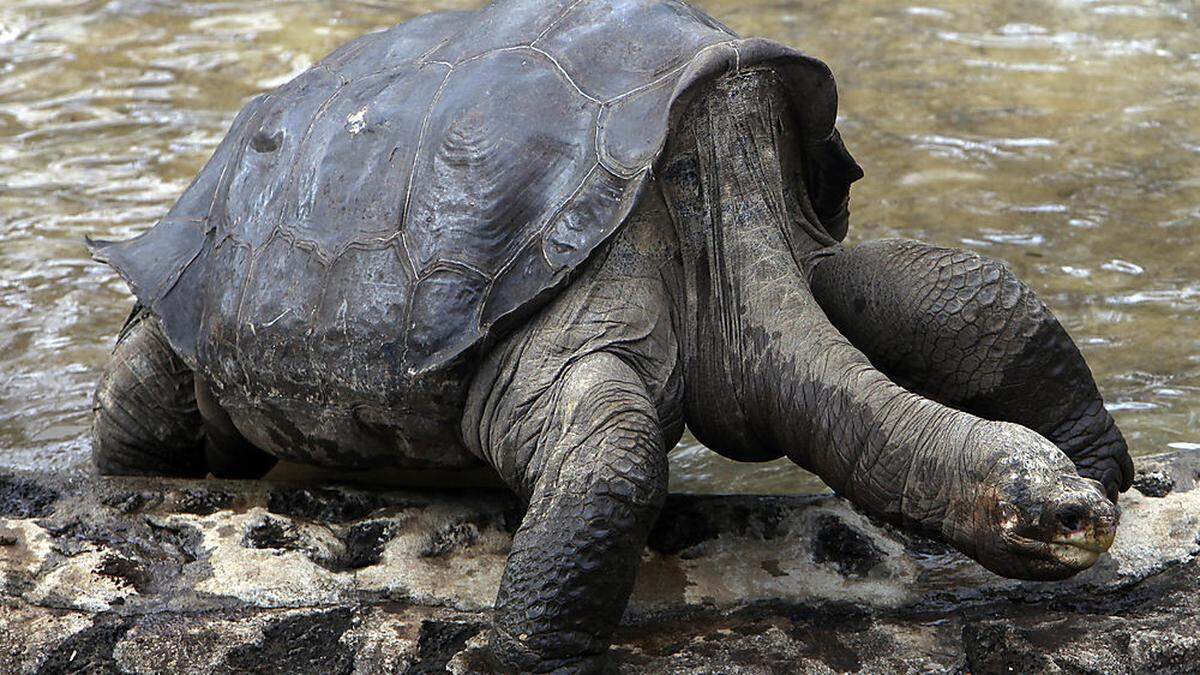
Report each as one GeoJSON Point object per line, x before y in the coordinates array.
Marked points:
{"type": "Point", "coordinates": [144, 416]}
{"type": "Point", "coordinates": [228, 453]}
{"type": "Point", "coordinates": [153, 417]}
{"type": "Point", "coordinates": [963, 330]}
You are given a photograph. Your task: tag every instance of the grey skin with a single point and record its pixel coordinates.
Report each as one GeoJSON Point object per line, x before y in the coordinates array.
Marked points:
{"type": "Point", "coordinates": [723, 301]}
{"type": "Point", "coordinates": [961, 329]}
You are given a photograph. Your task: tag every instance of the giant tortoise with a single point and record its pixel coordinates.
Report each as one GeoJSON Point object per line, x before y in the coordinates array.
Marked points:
{"type": "Point", "coordinates": [544, 237]}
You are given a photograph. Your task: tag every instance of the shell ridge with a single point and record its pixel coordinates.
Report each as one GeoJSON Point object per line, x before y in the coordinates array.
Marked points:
{"type": "Point", "coordinates": [618, 167]}
{"type": "Point", "coordinates": [412, 173]}
{"type": "Point", "coordinates": [554, 24]}
{"type": "Point", "coordinates": [401, 239]}
{"type": "Point", "coordinates": [221, 194]}
{"type": "Point", "coordinates": [260, 103]}
{"type": "Point", "coordinates": [442, 264]}
{"type": "Point", "coordinates": [466, 26]}
{"type": "Point", "coordinates": [673, 72]}
{"type": "Point", "coordinates": [536, 50]}
{"type": "Point", "coordinates": [537, 235]}
{"type": "Point", "coordinates": [301, 146]}
{"type": "Point", "coordinates": [309, 246]}
{"type": "Point", "coordinates": [290, 226]}
{"type": "Point", "coordinates": [408, 306]}
{"type": "Point", "coordinates": [169, 284]}
{"type": "Point", "coordinates": [350, 54]}
{"type": "Point", "coordinates": [541, 232]}
{"type": "Point", "coordinates": [251, 266]}
{"type": "Point", "coordinates": [563, 72]}
{"type": "Point", "coordinates": [626, 203]}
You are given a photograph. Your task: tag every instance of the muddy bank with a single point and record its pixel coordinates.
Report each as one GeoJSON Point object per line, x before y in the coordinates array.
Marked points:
{"type": "Point", "coordinates": [141, 576]}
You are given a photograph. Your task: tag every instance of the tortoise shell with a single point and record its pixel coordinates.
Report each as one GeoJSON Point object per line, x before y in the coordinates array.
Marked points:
{"type": "Point", "coordinates": [424, 189]}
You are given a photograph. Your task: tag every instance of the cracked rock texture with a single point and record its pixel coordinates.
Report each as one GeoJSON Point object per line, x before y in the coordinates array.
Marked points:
{"type": "Point", "coordinates": [146, 576]}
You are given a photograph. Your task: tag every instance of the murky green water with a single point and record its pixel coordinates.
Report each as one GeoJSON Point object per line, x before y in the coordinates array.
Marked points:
{"type": "Point", "coordinates": [1060, 135]}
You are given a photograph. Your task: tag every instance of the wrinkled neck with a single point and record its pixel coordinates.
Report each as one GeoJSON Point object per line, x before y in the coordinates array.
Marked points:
{"type": "Point", "coordinates": [766, 373]}
{"type": "Point", "coordinates": [733, 185]}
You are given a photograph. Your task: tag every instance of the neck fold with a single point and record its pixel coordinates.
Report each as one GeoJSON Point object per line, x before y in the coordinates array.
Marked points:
{"type": "Point", "coordinates": [766, 373]}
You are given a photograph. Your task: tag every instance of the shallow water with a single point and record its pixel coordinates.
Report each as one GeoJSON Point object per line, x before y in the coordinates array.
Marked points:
{"type": "Point", "coordinates": [1060, 135]}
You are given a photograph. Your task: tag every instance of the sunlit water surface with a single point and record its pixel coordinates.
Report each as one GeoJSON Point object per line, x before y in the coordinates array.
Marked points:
{"type": "Point", "coordinates": [1060, 135]}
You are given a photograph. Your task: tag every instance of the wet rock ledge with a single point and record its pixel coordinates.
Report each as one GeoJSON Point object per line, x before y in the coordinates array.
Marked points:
{"type": "Point", "coordinates": [147, 576]}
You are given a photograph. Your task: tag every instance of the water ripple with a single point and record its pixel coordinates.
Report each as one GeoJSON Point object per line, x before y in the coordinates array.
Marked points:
{"type": "Point", "coordinates": [1059, 135]}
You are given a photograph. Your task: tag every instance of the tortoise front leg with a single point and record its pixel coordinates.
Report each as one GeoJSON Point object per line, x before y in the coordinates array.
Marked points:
{"type": "Point", "coordinates": [961, 329]}
{"type": "Point", "coordinates": [586, 453]}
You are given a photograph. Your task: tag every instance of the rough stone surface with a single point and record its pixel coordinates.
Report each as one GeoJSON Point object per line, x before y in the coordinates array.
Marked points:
{"type": "Point", "coordinates": [148, 576]}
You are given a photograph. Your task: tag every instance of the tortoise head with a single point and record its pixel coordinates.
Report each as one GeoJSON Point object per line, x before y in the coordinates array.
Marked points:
{"type": "Point", "coordinates": [1032, 516]}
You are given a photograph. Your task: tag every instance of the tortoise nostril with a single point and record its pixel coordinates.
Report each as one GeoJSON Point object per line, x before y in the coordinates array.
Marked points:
{"type": "Point", "coordinates": [1071, 517]}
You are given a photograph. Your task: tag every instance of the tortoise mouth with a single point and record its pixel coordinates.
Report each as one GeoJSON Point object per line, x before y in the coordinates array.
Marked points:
{"type": "Point", "coordinates": [1072, 552]}
{"type": "Point", "coordinates": [1095, 541]}
{"type": "Point", "coordinates": [1082, 548]}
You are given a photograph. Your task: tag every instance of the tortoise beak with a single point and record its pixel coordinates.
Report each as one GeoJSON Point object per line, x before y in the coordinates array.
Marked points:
{"type": "Point", "coordinates": [1080, 525]}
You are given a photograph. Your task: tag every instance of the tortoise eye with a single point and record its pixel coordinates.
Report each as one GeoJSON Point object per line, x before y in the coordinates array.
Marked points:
{"type": "Point", "coordinates": [264, 142]}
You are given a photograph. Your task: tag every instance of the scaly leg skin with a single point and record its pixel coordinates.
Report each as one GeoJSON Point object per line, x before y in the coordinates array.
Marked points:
{"type": "Point", "coordinates": [587, 454]}
{"type": "Point", "coordinates": [961, 329]}
{"type": "Point", "coordinates": [575, 411]}
{"type": "Point", "coordinates": [144, 416]}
